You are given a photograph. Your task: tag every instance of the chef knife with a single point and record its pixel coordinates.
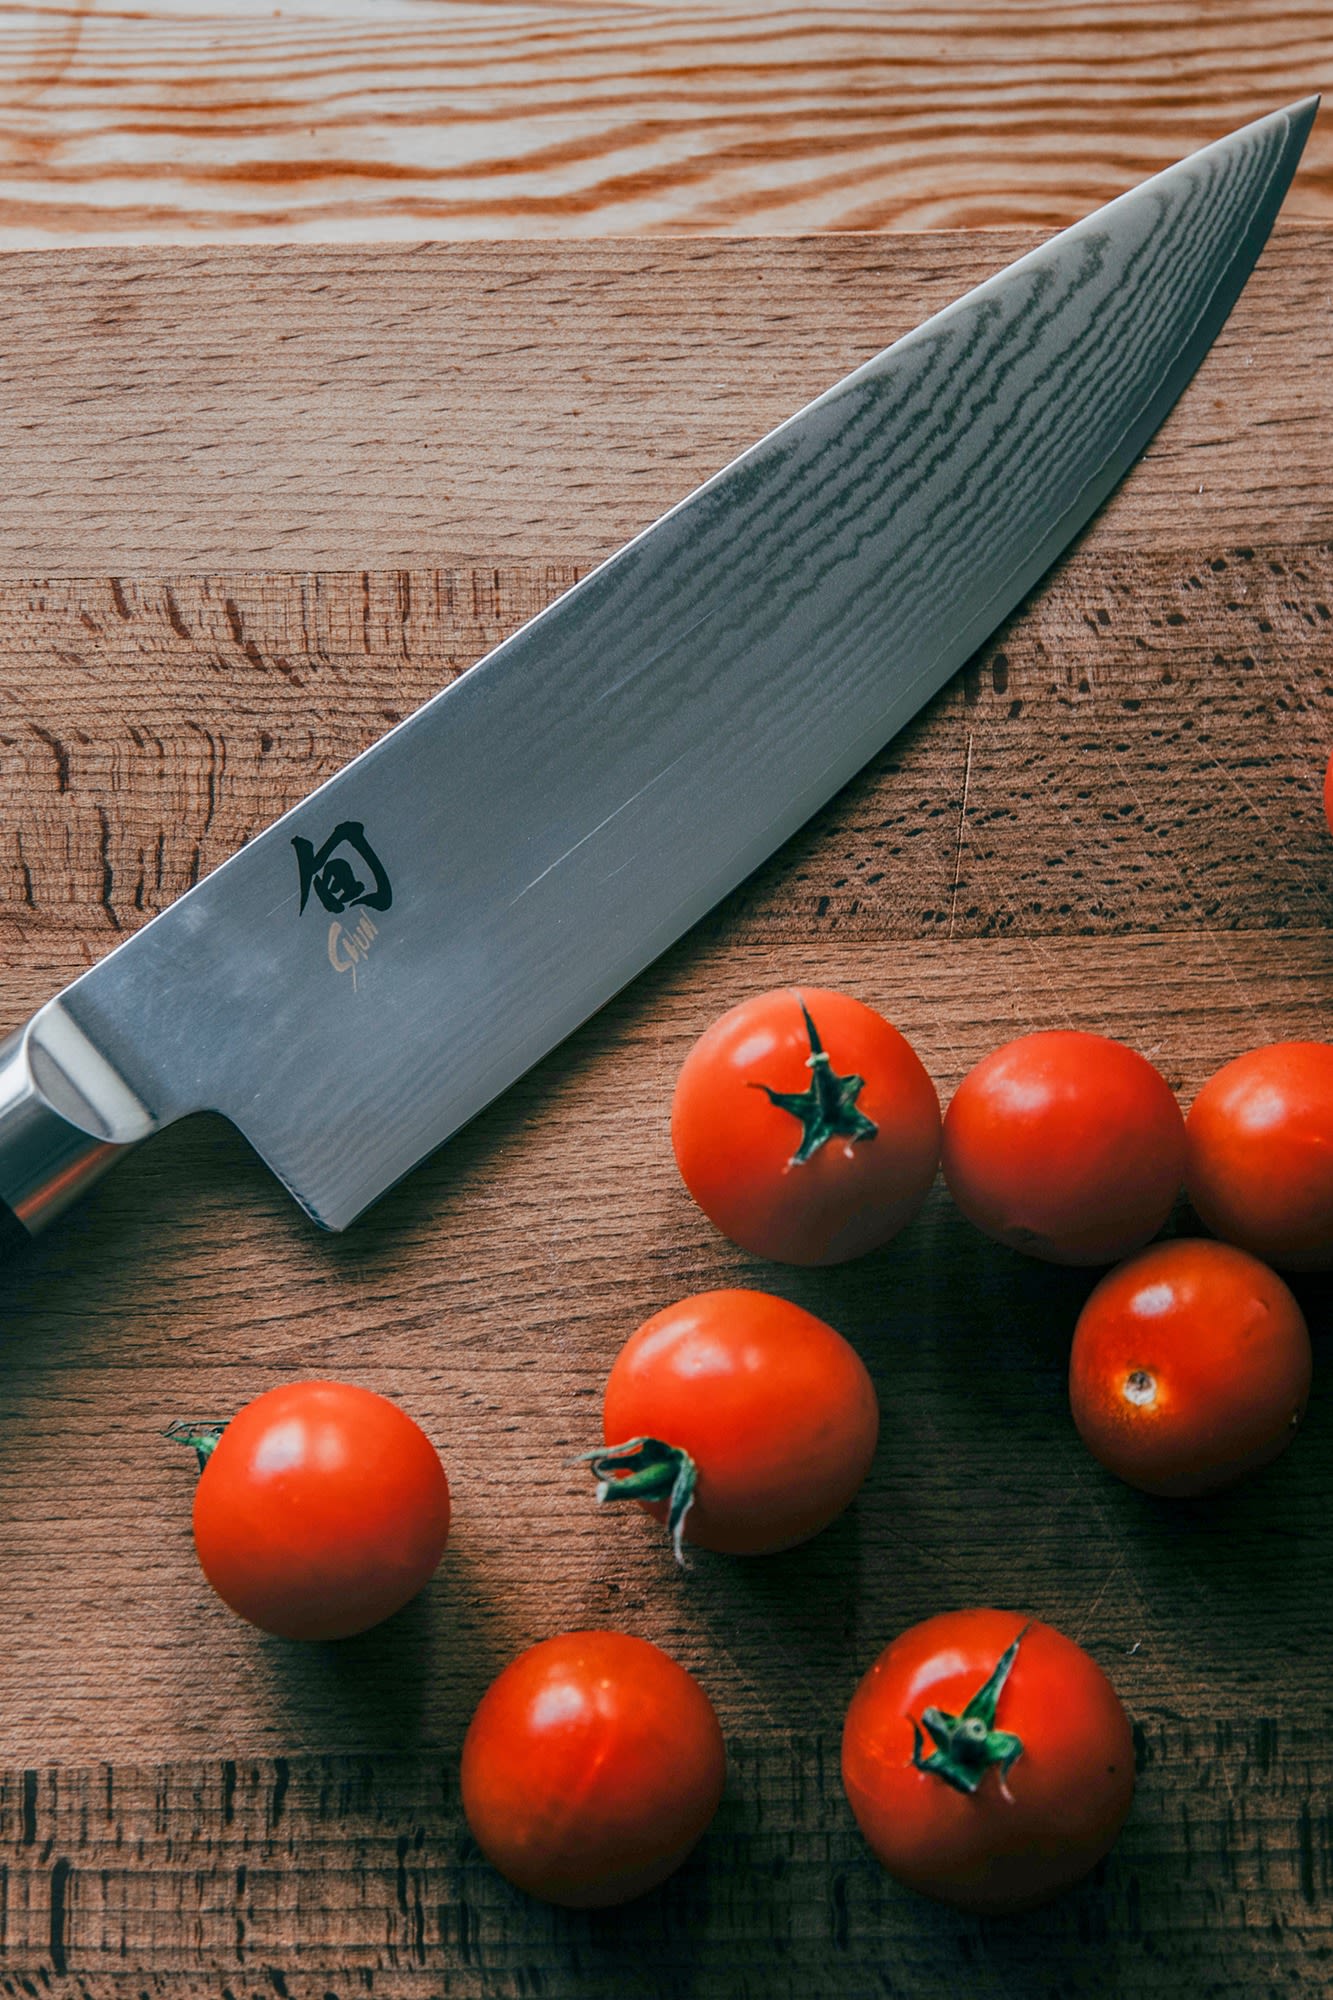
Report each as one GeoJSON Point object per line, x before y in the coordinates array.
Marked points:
{"type": "Point", "coordinates": [462, 895]}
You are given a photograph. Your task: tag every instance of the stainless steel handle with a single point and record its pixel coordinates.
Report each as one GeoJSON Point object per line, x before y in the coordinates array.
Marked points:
{"type": "Point", "coordinates": [65, 1117]}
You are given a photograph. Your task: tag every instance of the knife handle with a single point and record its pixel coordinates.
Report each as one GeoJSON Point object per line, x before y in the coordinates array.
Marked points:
{"type": "Point", "coordinates": [48, 1155]}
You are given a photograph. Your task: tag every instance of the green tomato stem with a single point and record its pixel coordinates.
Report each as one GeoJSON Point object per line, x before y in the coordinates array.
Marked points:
{"type": "Point", "coordinates": [200, 1438]}
{"type": "Point", "coordinates": [647, 1469]}
{"type": "Point", "coordinates": [827, 1110]}
{"type": "Point", "coordinates": [967, 1745]}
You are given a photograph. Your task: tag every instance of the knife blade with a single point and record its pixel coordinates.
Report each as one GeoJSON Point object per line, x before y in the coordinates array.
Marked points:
{"type": "Point", "coordinates": [468, 890]}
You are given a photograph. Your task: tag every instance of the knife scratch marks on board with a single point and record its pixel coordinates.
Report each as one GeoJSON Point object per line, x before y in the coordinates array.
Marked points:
{"type": "Point", "coordinates": [1180, 876]}
{"type": "Point", "coordinates": [1035, 951]}
{"type": "Point", "coordinates": [1120, 1568]}
{"type": "Point", "coordinates": [1042, 960]}
{"type": "Point", "coordinates": [1272, 832]}
{"type": "Point", "coordinates": [962, 822]}
{"type": "Point", "coordinates": [585, 838]}
{"type": "Point", "coordinates": [1093, 1608]}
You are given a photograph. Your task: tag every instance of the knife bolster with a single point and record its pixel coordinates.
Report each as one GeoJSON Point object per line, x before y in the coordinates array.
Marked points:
{"type": "Point", "coordinates": [56, 1136]}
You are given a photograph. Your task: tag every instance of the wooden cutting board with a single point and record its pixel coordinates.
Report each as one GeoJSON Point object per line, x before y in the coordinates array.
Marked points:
{"type": "Point", "coordinates": [258, 504]}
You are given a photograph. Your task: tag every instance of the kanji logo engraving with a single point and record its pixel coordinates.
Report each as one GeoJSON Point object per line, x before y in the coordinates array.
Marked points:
{"type": "Point", "coordinates": [337, 871]}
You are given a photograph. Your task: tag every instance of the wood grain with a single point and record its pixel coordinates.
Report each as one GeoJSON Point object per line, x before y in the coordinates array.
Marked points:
{"type": "Point", "coordinates": [288, 409]}
{"type": "Point", "coordinates": [1111, 818]}
{"type": "Point", "coordinates": [368, 1861]}
{"type": "Point", "coordinates": [183, 121]}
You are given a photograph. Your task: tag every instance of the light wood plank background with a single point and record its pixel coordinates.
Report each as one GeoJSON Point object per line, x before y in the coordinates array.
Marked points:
{"type": "Point", "coordinates": [190, 120]}
{"type": "Point", "coordinates": [227, 569]}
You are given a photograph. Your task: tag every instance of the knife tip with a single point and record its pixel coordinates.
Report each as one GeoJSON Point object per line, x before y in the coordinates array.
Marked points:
{"type": "Point", "coordinates": [1300, 120]}
{"type": "Point", "coordinates": [1301, 116]}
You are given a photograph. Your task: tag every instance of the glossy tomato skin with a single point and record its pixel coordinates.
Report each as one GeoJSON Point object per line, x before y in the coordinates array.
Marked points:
{"type": "Point", "coordinates": [1190, 1367]}
{"type": "Point", "coordinates": [1259, 1154]}
{"type": "Point", "coordinates": [735, 1148]}
{"type": "Point", "coordinates": [591, 1767]}
{"type": "Point", "coordinates": [322, 1509]}
{"type": "Point", "coordinates": [776, 1410]}
{"type": "Point", "coordinates": [1065, 1145]}
{"type": "Point", "coordinates": [1013, 1842]}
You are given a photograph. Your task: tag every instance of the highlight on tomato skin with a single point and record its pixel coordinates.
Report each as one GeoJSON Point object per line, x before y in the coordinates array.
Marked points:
{"type": "Point", "coordinates": [1190, 1367]}
{"type": "Point", "coordinates": [321, 1509]}
{"type": "Point", "coordinates": [592, 1766]}
{"type": "Point", "coordinates": [1259, 1154]}
{"type": "Point", "coordinates": [1065, 1145]}
{"type": "Point", "coordinates": [743, 1421]}
{"type": "Point", "coordinates": [987, 1760]}
{"type": "Point", "coordinates": [805, 1126]}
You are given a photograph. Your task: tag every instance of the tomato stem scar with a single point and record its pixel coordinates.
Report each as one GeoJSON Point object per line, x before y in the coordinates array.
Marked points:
{"type": "Point", "coordinates": [968, 1745]}
{"type": "Point", "coordinates": [1140, 1387]}
{"type": "Point", "coordinates": [827, 1110]}
{"type": "Point", "coordinates": [647, 1469]}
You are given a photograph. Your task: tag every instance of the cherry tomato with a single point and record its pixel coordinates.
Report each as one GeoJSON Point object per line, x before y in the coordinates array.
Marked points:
{"type": "Point", "coordinates": [1190, 1366]}
{"type": "Point", "coordinates": [321, 1508]}
{"type": "Point", "coordinates": [745, 1422]}
{"type": "Point", "coordinates": [1259, 1154]}
{"type": "Point", "coordinates": [1066, 1145]}
{"type": "Point", "coordinates": [591, 1768]}
{"type": "Point", "coordinates": [805, 1127]}
{"type": "Point", "coordinates": [988, 1761]}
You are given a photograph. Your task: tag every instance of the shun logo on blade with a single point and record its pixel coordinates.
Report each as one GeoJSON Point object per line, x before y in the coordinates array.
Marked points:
{"type": "Point", "coordinates": [337, 873]}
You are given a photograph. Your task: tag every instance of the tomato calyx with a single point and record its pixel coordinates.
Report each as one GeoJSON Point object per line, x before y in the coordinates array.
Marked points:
{"type": "Point", "coordinates": [827, 1109]}
{"type": "Point", "coordinates": [647, 1469]}
{"type": "Point", "coordinates": [200, 1438]}
{"type": "Point", "coordinates": [968, 1745]}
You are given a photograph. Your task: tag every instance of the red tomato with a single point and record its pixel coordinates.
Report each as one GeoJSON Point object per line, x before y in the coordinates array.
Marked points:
{"type": "Point", "coordinates": [1190, 1366]}
{"type": "Point", "coordinates": [1259, 1154]}
{"type": "Point", "coordinates": [591, 1768]}
{"type": "Point", "coordinates": [988, 1762]}
{"type": "Point", "coordinates": [746, 1422]}
{"type": "Point", "coordinates": [1066, 1145]}
{"type": "Point", "coordinates": [321, 1509]}
{"type": "Point", "coordinates": [805, 1127]}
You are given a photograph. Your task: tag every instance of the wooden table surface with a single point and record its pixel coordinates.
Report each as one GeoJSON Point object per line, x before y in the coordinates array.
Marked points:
{"type": "Point", "coordinates": [258, 503]}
